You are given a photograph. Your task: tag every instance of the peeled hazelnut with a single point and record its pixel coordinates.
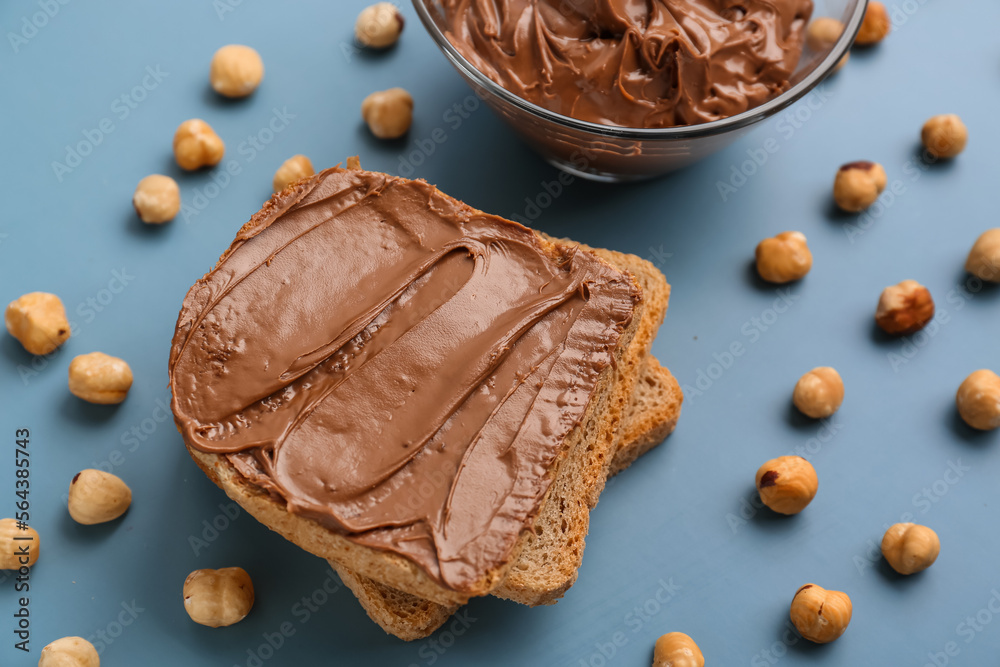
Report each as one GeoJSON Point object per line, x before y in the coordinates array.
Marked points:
{"type": "Point", "coordinates": [910, 548]}
{"type": "Point", "coordinates": [379, 26]}
{"type": "Point", "coordinates": [13, 542]}
{"type": "Point", "coordinates": [389, 113]}
{"type": "Point", "coordinates": [819, 615]}
{"type": "Point", "coordinates": [984, 258]}
{"type": "Point", "coordinates": [676, 649]}
{"type": "Point", "coordinates": [822, 34]}
{"type": "Point", "coordinates": [858, 185]}
{"type": "Point", "coordinates": [978, 400]}
{"type": "Point", "coordinates": [236, 70]}
{"type": "Point", "coordinates": [819, 393]}
{"type": "Point", "coordinates": [787, 484]}
{"type": "Point", "coordinates": [293, 169]}
{"type": "Point", "coordinates": [99, 378]}
{"type": "Point", "coordinates": [944, 136]}
{"type": "Point", "coordinates": [38, 321]}
{"type": "Point", "coordinates": [196, 145]}
{"type": "Point", "coordinates": [875, 26]}
{"type": "Point", "coordinates": [904, 308]}
{"type": "Point", "coordinates": [96, 496]}
{"type": "Point", "coordinates": [218, 598]}
{"type": "Point", "coordinates": [69, 652]}
{"type": "Point", "coordinates": [157, 199]}
{"type": "Point", "coordinates": [784, 258]}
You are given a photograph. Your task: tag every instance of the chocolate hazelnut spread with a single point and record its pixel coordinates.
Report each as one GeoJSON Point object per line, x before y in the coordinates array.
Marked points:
{"type": "Point", "coordinates": [634, 63]}
{"type": "Point", "coordinates": [396, 365]}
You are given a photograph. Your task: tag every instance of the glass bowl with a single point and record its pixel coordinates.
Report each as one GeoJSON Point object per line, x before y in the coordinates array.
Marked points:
{"type": "Point", "coordinates": [608, 153]}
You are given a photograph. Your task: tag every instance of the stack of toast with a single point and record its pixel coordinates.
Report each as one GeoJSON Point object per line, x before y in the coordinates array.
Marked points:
{"type": "Point", "coordinates": [634, 404]}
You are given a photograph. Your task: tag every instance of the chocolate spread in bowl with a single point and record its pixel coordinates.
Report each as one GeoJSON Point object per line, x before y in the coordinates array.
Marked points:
{"type": "Point", "coordinates": [634, 63]}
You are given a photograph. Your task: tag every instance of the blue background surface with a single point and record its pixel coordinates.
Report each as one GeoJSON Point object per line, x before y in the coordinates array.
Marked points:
{"type": "Point", "coordinates": [682, 515]}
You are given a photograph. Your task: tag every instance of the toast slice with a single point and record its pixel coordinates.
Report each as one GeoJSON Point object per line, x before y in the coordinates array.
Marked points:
{"type": "Point", "coordinates": [651, 416]}
{"type": "Point", "coordinates": [576, 472]}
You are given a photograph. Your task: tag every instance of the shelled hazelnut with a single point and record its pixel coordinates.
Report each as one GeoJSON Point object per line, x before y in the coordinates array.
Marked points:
{"type": "Point", "coordinates": [157, 199]}
{"type": "Point", "coordinates": [379, 25]}
{"type": "Point", "coordinates": [388, 113]}
{"type": "Point", "coordinates": [19, 545]}
{"type": "Point", "coordinates": [96, 496]}
{"type": "Point", "coordinates": [99, 378]}
{"type": "Point", "coordinates": [196, 145]}
{"type": "Point", "coordinates": [904, 309]}
{"type": "Point", "coordinates": [676, 649]}
{"type": "Point", "coordinates": [978, 400]}
{"type": "Point", "coordinates": [293, 169]}
{"type": "Point", "coordinates": [784, 258]}
{"type": "Point", "coordinates": [822, 34]}
{"type": "Point", "coordinates": [819, 393]}
{"type": "Point", "coordinates": [875, 26]}
{"type": "Point", "coordinates": [821, 616]}
{"type": "Point", "coordinates": [69, 652]}
{"type": "Point", "coordinates": [38, 321]}
{"type": "Point", "coordinates": [944, 136]}
{"type": "Point", "coordinates": [236, 70]}
{"type": "Point", "coordinates": [984, 258]}
{"type": "Point", "coordinates": [218, 598]}
{"type": "Point", "coordinates": [787, 484]}
{"type": "Point", "coordinates": [910, 548]}
{"type": "Point", "coordinates": [858, 184]}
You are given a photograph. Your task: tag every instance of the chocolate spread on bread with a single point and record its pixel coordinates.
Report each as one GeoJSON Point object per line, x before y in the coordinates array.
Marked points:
{"type": "Point", "coordinates": [396, 365]}
{"type": "Point", "coordinates": [634, 63]}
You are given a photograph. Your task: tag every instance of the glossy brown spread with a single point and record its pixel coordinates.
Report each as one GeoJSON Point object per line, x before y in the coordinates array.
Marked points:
{"type": "Point", "coordinates": [634, 63]}
{"type": "Point", "coordinates": [396, 365]}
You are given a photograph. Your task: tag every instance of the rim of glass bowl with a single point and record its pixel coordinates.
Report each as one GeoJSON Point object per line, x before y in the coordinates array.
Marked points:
{"type": "Point", "coordinates": [714, 127]}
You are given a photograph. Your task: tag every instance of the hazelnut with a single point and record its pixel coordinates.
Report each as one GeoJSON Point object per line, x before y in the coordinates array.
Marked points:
{"type": "Point", "coordinates": [38, 321]}
{"type": "Point", "coordinates": [389, 113]}
{"type": "Point", "coordinates": [875, 26]}
{"type": "Point", "coordinates": [904, 308]}
{"type": "Point", "coordinates": [218, 598]}
{"type": "Point", "coordinates": [784, 258]}
{"type": "Point", "coordinates": [984, 258]}
{"type": "Point", "coordinates": [17, 543]}
{"type": "Point", "coordinates": [293, 169]}
{"type": "Point", "coordinates": [96, 496]}
{"type": "Point", "coordinates": [910, 548]}
{"type": "Point", "coordinates": [858, 184]}
{"type": "Point", "coordinates": [819, 393]}
{"type": "Point", "coordinates": [787, 484]}
{"type": "Point", "coordinates": [69, 652]}
{"type": "Point", "coordinates": [157, 199]}
{"type": "Point", "coordinates": [236, 70]}
{"type": "Point", "coordinates": [99, 378]}
{"type": "Point", "coordinates": [820, 615]}
{"type": "Point", "coordinates": [978, 400]}
{"type": "Point", "coordinates": [196, 145]}
{"type": "Point", "coordinates": [676, 649]}
{"type": "Point", "coordinates": [379, 26]}
{"type": "Point", "coordinates": [944, 136]}
{"type": "Point", "coordinates": [822, 34]}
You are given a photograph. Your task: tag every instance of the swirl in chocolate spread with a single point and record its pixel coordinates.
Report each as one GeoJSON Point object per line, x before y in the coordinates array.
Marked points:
{"type": "Point", "coordinates": [396, 365]}
{"type": "Point", "coordinates": [634, 63]}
